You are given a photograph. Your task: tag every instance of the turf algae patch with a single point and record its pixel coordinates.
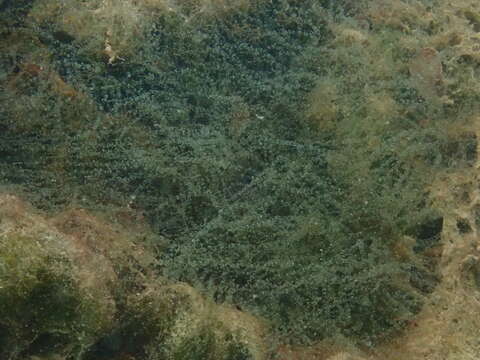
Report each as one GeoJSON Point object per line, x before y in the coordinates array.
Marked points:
{"type": "Point", "coordinates": [427, 74]}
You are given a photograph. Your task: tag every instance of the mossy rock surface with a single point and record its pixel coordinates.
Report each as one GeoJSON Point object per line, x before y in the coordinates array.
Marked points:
{"type": "Point", "coordinates": [278, 149]}
{"type": "Point", "coordinates": [74, 286]}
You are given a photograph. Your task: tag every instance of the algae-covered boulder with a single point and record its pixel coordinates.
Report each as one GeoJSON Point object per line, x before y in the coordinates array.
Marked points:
{"type": "Point", "coordinates": [74, 286]}
{"type": "Point", "coordinates": [46, 303]}
{"type": "Point", "coordinates": [205, 330]}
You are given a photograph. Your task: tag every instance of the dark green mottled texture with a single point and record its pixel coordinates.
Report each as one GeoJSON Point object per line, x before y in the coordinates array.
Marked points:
{"type": "Point", "coordinates": [291, 225]}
